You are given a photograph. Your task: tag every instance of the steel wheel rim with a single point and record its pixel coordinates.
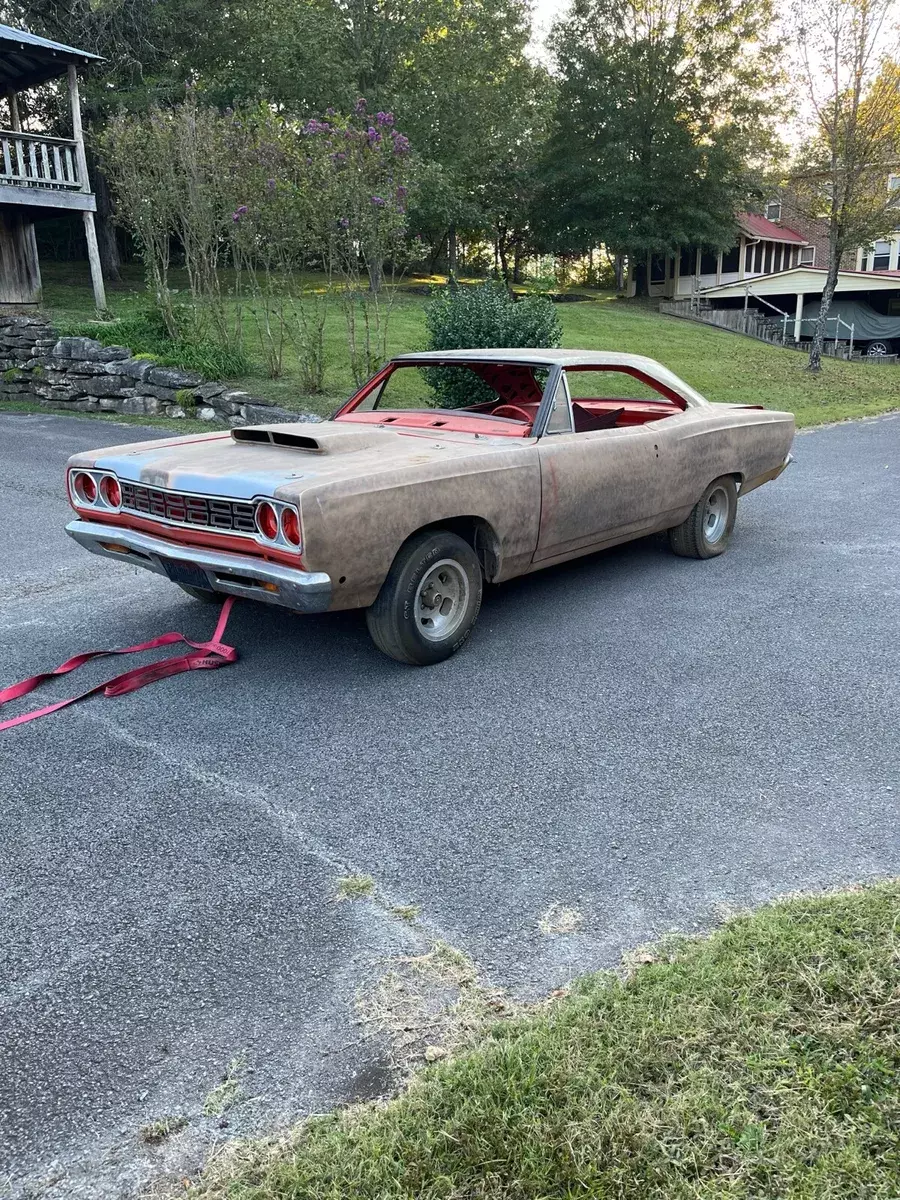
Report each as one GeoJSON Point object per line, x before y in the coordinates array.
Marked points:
{"type": "Point", "coordinates": [442, 600]}
{"type": "Point", "coordinates": [715, 515]}
{"type": "Point", "coordinates": [876, 350]}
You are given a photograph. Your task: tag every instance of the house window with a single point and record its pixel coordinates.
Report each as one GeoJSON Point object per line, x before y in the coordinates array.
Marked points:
{"type": "Point", "coordinates": [748, 260]}
{"type": "Point", "coordinates": [657, 268]}
{"type": "Point", "coordinates": [881, 259]}
{"type": "Point", "coordinates": [807, 256]}
{"type": "Point", "coordinates": [687, 264]}
{"type": "Point", "coordinates": [760, 251]}
{"type": "Point", "coordinates": [731, 259]}
{"type": "Point", "coordinates": [773, 210]}
{"type": "Point", "coordinates": [709, 263]}
{"type": "Point", "coordinates": [768, 262]}
{"type": "Point", "coordinates": [894, 184]}
{"type": "Point", "coordinates": [776, 258]}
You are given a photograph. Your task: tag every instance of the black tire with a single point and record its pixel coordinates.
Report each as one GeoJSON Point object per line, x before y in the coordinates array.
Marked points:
{"type": "Point", "coordinates": [396, 621]}
{"type": "Point", "coordinates": [700, 536]}
{"type": "Point", "coordinates": [204, 595]}
{"type": "Point", "coordinates": [880, 348]}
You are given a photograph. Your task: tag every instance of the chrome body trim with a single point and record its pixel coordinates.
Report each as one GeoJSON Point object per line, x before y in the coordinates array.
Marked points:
{"type": "Point", "coordinates": [231, 574]}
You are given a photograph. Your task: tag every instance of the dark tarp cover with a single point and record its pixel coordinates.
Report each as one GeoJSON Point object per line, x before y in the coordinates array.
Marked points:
{"type": "Point", "coordinates": [868, 325]}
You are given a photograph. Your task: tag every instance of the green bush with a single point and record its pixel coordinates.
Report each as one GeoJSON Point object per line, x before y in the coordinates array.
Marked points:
{"type": "Point", "coordinates": [143, 330]}
{"type": "Point", "coordinates": [468, 318]}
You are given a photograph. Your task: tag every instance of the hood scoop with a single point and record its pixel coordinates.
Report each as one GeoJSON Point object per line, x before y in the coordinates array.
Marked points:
{"type": "Point", "coordinates": [327, 437]}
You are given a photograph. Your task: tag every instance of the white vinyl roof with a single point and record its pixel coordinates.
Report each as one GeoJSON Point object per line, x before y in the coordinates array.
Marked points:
{"type": "Point", "coordinates": [806, 280]}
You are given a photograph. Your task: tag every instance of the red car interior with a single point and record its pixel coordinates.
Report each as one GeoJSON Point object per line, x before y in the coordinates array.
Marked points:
{"type": "Point", "coordinates": [519, 394]}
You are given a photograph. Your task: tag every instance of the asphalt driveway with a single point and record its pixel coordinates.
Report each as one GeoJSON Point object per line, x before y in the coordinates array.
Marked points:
{"type": "Point", "coordinates": [644, 738]}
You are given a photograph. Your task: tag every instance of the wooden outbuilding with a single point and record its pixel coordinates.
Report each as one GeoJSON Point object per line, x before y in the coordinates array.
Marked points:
{"type": "Point", "coordinates": [40, 176]}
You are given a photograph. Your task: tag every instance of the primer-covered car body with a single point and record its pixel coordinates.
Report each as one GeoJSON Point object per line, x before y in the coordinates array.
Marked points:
{"type": "Point", "coordinates": [525, 490]}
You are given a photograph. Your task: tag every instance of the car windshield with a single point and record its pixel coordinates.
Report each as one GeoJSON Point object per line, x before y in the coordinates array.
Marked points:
{"type": "Point", "coordinates": [462, 387]}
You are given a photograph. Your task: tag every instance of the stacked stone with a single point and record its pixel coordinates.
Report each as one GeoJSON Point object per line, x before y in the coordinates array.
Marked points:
{"type": "Point", "coordinates": [80, 374]}
{"type": "Point", "coordinates": [24, 343]}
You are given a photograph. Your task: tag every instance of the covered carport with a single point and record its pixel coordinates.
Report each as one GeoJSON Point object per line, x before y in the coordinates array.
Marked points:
{"type": "Point", "coordinates": [793, 296]}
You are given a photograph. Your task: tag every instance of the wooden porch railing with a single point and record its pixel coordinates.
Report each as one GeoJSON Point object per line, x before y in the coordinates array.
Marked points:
{"type": "Point", "coordinates": [33, 160]}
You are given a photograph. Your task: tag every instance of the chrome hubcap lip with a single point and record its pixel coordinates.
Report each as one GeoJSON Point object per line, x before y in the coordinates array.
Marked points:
{"type": "Point", "coordinates": [442, 599]}
{"type": "Point", "coordinates": [715, 516]}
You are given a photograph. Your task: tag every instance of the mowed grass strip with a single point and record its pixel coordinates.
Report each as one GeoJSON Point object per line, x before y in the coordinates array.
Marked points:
{"type": "Point", "coordinates": [762, 1061]}
{"type": "Point", "coordinates": [723, 366]}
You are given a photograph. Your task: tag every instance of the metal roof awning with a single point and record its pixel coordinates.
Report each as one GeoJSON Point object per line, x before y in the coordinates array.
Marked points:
{"type": "Point", "coordinates": [805, 281]}
{"type": "Point", "coordinates": [27, 60]}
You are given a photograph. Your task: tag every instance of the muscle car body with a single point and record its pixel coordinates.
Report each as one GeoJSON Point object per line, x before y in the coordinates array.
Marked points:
{"type": "Point", "coordinates": [316, 517]}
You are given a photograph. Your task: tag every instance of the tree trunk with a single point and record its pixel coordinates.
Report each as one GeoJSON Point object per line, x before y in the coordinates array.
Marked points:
{"type": "Point", "coordinates": [619, 267]}
{"type": "Point", "coordinates": [438, 249]}
{"type": "Point", "coordinates": [451, 251]}
{"type": "Point", "coordinates": [834, 262]}
{"type": "Point", "coordinates": [107, 242]}
{"type": "Point", "coordinates": [517, 264]}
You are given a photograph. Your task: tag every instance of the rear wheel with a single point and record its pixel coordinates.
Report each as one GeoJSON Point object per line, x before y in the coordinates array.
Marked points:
{"type": "Point", "coordinates": [429, 601]}
{"type": "Point", "coordinates": [879, 349]}
{"type": "Point", "coordinates": [706, 531]}
{"type": "Point", "coordinates": [204, 595]}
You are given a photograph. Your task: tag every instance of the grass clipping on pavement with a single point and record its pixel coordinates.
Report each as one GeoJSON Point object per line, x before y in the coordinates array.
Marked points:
{"type": "Point", "coordinates": [762, 1061]}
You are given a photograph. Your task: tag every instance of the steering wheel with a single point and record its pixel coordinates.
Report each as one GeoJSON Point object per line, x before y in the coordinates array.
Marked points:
{"type": "Point", "coordinates": [512, 411]}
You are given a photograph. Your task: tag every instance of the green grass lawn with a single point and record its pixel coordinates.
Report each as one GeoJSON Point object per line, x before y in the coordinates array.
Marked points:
{"type": "Point", "coordinates": [723, 366]}
{"type": "Point", "coordinates": [760, 1063]}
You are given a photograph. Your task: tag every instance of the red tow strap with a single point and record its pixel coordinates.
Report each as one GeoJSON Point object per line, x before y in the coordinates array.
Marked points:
{"type": "Point", "coordinates": [205, 656]}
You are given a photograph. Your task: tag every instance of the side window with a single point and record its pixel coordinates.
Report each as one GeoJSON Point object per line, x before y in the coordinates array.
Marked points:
{"type": "Point", "coordinates": [561, 414]}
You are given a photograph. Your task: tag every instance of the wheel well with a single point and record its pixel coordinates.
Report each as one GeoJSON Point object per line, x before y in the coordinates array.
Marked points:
{"type": "Point", "coordinates": [480, 535]}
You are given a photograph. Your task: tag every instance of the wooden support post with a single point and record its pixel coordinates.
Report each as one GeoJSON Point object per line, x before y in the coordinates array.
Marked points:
{"type": "Point", "coordinates": [14, 122]}
{"type": "Point", "coordinates": [798, 316]}
{"type": "Point", "coordinates": [90, 231]}
{"type": "Point", "coordinates": [90, 234]}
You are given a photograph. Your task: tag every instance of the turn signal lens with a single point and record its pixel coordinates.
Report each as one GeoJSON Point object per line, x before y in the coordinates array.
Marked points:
{"type": "Point", "coordinates": [267, 521]}
{"type": "Point", "coordinates": [110, 491]}
{"type": "Point", "coordinates": [85, 488]}
{"type": "Point", "coordinates": [290, 526]}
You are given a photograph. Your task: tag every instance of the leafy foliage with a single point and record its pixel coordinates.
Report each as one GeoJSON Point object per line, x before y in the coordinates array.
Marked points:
{"type": "Point", "coordinates": [460, 318]}
{"type": "Point", "coordinates": [664, 114]}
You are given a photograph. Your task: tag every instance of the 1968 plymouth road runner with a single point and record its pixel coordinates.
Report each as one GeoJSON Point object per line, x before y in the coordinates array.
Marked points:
{"type": "Point", "coordinates": [445, 470]}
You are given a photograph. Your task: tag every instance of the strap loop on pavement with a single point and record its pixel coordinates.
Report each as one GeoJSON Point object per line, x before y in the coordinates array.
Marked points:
{"type": "Point", "coordinates": [206, 656]}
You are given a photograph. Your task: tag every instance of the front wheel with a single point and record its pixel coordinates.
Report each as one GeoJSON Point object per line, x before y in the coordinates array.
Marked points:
{"type": "Point", "coordinates": [706, 531]}
{"type": "Point", "coordinates": [429, 601]}
{"type": "Point", "coordinates": [879, 349]}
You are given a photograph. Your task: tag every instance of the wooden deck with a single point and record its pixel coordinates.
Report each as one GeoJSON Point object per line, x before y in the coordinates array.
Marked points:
{"type": "Point", "coordinates": [42, 172]}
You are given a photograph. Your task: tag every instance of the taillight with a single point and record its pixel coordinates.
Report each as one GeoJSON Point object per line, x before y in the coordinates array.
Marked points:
{"type": "Point", "coordinates": [85, 488]}
{"type": "Point", "coordinates": [267, 521]}
{"type": "Point", "coordinates": [110, 491]}
{"type": "Point", "coordinates": [290, 526]}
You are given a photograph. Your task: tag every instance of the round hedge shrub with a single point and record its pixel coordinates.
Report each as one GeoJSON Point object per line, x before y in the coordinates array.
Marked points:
{"type": "Point", "coordinates": [483, 317]}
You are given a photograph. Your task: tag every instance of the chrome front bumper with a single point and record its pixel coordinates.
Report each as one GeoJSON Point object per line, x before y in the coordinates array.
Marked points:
{"type": "Point", "coordinates": [232, 574]}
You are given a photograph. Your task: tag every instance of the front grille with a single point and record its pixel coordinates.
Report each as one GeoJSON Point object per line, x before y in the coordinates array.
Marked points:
{"type": "Point", "coordinates": [208, 512]}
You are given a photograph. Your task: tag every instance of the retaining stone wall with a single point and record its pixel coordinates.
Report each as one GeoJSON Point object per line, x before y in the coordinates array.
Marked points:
{"type": "Point", "coordinates": [78, 374]}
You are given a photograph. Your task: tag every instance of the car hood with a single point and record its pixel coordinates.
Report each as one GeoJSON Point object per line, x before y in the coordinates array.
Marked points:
{"type": "Point", "coordinates": [286, 459]}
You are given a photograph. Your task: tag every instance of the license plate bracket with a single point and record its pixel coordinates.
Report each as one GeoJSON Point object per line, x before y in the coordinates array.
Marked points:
{"type": "Point", "coordinates": [185, 572]}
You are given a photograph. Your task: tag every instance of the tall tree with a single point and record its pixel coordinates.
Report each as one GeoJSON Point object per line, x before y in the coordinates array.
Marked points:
{"type": "Point", "coordinates": [663, 124]}
{"type": "Point", "coordinates": [851, 84]}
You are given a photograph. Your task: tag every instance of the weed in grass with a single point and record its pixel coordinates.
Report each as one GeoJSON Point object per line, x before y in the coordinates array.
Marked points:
{"type": "Point", "coordinates": [158, 1130]}
{"type": "Point", "coordinates": [354, 887]}
{"type": "Point", "coordinates": [435, 1000]}
{"type": "Point", "coordinates": [560, 918]}
{"type": "Point", "coordinates": [225, 1093]}
{"type": "Point", "coordinates": [406, 912]}
{"type": "Point", "coordinates": [760, 1062]}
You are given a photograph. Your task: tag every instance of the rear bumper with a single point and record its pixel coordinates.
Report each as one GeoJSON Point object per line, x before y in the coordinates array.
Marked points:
{"type": "Point", "coordinates": [750, 484]}
{"type": "Point", "coordinates": [231, 574]}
